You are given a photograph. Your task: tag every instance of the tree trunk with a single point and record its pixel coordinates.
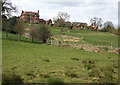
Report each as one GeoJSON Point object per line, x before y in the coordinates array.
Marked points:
{"type": "Point", "coordinates": [6, 35]}
{"type": "Point", "coordinates": [44, 41]}
{"type": "Point", "coordinates": [19, 36]}
{"type": "Point", "coordinates": [32, 38]}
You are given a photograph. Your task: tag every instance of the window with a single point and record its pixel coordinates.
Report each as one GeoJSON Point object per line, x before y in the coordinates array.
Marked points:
{"type": "Point", "coordinates": [35, 15]}
{"type": "Point", "coordinates": [34, 21]}
{"type": "Point", "coordinates": [30, 21]}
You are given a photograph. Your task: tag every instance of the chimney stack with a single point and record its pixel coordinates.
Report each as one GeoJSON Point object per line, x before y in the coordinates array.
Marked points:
{"type": "Point", "coordinates": [22, 11]}
{"type": "Point", "coordinates": [38, 11]}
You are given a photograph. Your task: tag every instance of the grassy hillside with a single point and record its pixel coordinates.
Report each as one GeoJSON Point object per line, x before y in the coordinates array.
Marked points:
{"type": "Point", "coordinates": [89, 37]}
{"type": "Point", "coordinates": [37, 63]}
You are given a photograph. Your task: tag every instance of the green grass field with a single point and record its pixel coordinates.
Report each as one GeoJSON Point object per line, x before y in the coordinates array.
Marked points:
{"type": "Point", "coordinates": [90, 37]}
{"type": "Point", "coordinates": [38, 62]}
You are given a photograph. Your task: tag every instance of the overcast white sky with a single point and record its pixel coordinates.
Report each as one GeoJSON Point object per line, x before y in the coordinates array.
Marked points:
{"type": "Point", "coordinates": [79, 10]}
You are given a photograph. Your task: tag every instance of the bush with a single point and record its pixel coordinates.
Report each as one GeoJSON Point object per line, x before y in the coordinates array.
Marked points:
{"type": "Point", "coordinates": [43, 33]}
{"type": "Point", "coordinates": [118, 31]}
{"type": "Point", "coordinates": [104, 75]}
{"type": "Point", "coordinates": [110, 29]}
{"type": "Point", "coordinates": [105, 48]}
{"type": "Point", "coordinates": [76, 59]}
{"type": "Point", "coordinates": [11, 78]}
{"type": "Point", "coordinates": [33, 33]}
{"type": "Point", "coordinates": [19, 27]}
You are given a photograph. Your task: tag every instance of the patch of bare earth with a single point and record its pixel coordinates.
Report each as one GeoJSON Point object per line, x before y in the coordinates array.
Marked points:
{"type": "Point", "coordinates": [67, 38]}
{"type": "Point", "coordinates": [26, 35]}
{"type": "Point", "coordinates": [27, 29]}
{"type": "Point", "coordinates": [99, 33]}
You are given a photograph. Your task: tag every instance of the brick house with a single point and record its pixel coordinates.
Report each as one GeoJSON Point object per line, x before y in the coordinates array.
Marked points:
{"type": "Point", "coordinates": [47, 22]}
{"type": "Point", "coordinates": [29, 16]}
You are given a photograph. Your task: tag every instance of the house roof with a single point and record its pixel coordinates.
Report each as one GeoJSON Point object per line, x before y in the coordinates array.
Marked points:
{"type": "Point", "coordinates": [30, 13]}
{"type": "Point", "coordinates": [45, 20]}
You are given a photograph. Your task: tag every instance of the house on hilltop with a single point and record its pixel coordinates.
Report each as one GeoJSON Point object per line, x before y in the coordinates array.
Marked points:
{"type": "Point", "coordinates": [29, 16]}
{"type": "Point", "coordinates": [47, 22]}
{"type": "Point", "coordinates": [33, 17]}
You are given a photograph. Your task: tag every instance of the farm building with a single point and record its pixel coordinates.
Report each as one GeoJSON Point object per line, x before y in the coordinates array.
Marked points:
{"type": "Point", "coordinates": [78, 25]}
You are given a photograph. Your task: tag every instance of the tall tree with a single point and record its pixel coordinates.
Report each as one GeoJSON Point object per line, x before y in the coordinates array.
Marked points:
{"type": "Point", "coordinates": [19, 28]}
{"type": "Point", "coordinates": [5, 27]}
{"type": "Point", "coordinates": [33, 33]}
{"type": "Point", "coordinates": [96, 22]}
{"type": "Point", "coordinates": [61, 18]}
{"type": "Point", "coordinates": [12, 23]}
{"type": "Point", "coordinates": [7, 8]}
{"type": "Point", "coordinates": [108, 23]}
{"type": "Point", "coordinates": [43, 33]}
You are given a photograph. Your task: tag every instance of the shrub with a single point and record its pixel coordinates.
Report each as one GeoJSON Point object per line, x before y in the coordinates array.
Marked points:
{"type": "Point", "coordinates": [43, 33]}
{"type": "Point", "coordinates": [33, 33]}
{"type": "Point", "coordinates": [19, 27]}
{"type": "Point", "coordinates": [76, 59]}
{"type": "Point", "coordinates": [105, 48]}
{"type": "Point", "coordinates": [104, 75]}
{"type": "Point", "coordinates": [5, 26]}
{"type": "Point", "coordinates": [11, 78]}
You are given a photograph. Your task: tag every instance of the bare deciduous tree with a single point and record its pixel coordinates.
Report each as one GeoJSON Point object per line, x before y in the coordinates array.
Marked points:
{"type": "Point", "coordinates": [19, 28]}
{"type": "Point", "coordinates": [63, 15]}
{"type": "Point", "coordinates": [96, 21]}
{"type": "Point", "coordinates": [61, 18]}
{"type": "Point", "coordinates": [33, 33]}
{"type": "Point", "coordinates": [7, 8]}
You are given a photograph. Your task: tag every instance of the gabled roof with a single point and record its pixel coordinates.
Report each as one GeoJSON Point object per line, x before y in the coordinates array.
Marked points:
{"type": "Point", "coordinates": [30, 13]}
{"type": "Point", "coordinates": [45, 20]}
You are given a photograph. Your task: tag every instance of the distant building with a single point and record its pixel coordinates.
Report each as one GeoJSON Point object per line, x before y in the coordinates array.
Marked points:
{"type": "Point", "coordinates": [78, 25]}
{"type": "Point", "coordinates": [29, 16]}
{"type": "Point", "coordinates": [92, 27]}
{"type": "Point", "coordinates": [47, 22]}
